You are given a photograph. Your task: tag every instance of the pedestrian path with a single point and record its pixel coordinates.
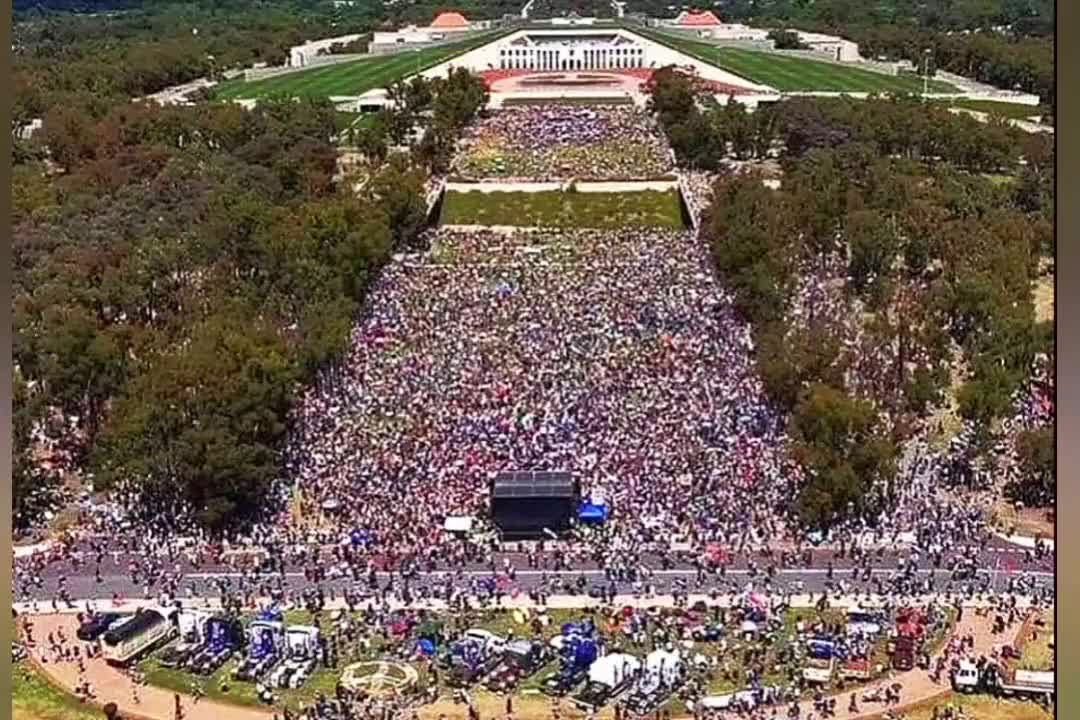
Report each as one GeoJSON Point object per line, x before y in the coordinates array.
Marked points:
{"type": "Point", "coordinates": [520, 601]}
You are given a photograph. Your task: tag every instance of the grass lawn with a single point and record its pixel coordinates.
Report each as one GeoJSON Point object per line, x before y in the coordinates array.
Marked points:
{"type": "Point", "coordinates": [350, 78]}
{"type": "Point", "coordinates": [1015, 111]}
{"type": "Point", "coordinates": [980, 707]}
{"type": "Point", "coordinates": [33, 697]}
{"type": "Point", "coordinates": [794, 74]}
{"type": "Point", "coordinates": [564, 209]}
{"type": "Point", "coordinates": [1038, 654]}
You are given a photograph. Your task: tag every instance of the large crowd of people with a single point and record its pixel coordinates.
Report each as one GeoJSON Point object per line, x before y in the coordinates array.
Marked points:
{"type": "Point", "coordinates": [554, 142]}
{"type": "Point", "coordinates": [613, 355]}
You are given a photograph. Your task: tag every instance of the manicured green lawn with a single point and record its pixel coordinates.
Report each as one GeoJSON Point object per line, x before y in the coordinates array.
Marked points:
{"type": "Point", "coordinates": [34, 698]}
{"type": "Point", "coordinates": [564, 209]}
{"type": "Point", "coordinates": [795, 74]}
{"type": "Point", "coordinates": [351, 78]}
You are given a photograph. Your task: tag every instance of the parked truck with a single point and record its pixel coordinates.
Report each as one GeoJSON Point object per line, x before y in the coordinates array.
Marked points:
{"type": "Point", "coordinates": [1030, 684]}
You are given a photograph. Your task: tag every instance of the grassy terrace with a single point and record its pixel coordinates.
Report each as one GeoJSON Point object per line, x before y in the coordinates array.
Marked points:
{"type": "Point", "coordinates": [351, 78]}
{"type": "Point", "coordinates": [794, 74]}
{"type": "Point", "coordinates": [1013, 111]}
{"type": "Point", "coordinates": [556, 209]}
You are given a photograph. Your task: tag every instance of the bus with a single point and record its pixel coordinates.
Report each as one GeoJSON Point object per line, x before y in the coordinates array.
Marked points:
{"type": "Point", "coordinates": [148, 628]}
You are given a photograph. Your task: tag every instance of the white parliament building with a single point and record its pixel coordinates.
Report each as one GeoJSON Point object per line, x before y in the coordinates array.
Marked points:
{"type": "Point", "coordinates": [583, 48]}
{"type": "Point", "coordinates": [550, 50]}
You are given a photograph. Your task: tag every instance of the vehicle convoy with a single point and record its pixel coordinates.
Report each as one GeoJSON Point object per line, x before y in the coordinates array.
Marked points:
{"type": "Point", "coordinates": [578, 648]}
{"type": "Point", "coordinates": [520, 659]}
{"type": "Point", "coordinates": [609, 677]}
{"type": "Point", "coordinates": [266, 637]}
{"type": "Point", "coordinates": [222, 637]}
{"type": "Point", "coordinates": [148, 628]}
{"type": "Point", "coordinates": [994, 679]}
{"type": "Point", "coordinates": [301, 656]}
{"type": "Point", "coordinates": [469, 659]}
{"type": "Point", "coordinates": [910, 632]}
{"type": "Point", "coordinates": [664, 675]}
{"type": "Point", "coordinates": [820, 660]}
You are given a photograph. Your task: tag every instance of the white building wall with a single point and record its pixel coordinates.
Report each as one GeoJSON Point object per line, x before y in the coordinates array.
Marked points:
{"type": "Point", "coordinates": [597, 56]}
{"type": "Point", "coordinates": [300, 55]}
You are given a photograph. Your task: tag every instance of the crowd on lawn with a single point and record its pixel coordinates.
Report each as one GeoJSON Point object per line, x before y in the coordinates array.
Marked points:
{"type": "Point", "coordinates": [610, 354]}
{"type": "Point", "coordinates": [559, 142]}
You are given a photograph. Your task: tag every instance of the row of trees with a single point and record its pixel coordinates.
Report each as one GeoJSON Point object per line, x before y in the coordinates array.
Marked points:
{"type": "Point", "coordinates": [1008, 61]}
{"type": "Point", "coordinates": [439, 107]}
{"type": "Point", "coordinates": [1025, 17]}
{"type": "Point", "coordinates": [176, 285]}
{"type": "Point", "coordinates": [702, 135]}
{"type": "Point", "coordinates": [93, 61]}
{"type": "Point", "coordinates": [702, 138]}
{"type": "Point", "coordinates": [936, 257]}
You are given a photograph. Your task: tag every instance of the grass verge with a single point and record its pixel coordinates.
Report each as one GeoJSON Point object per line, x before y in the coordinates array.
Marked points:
{"type": "Point", "coordinates": [557, 209]}
{"type": "Point", "coordinates": [33, 697]}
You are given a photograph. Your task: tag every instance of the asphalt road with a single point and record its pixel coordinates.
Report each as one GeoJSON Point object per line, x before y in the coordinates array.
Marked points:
{"type": "Point", "coordinates": [812, 579]}
{"type": "Point", "coordinates": [998, 562]}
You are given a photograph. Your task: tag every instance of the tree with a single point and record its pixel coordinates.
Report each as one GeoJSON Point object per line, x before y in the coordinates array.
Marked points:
{"type": "Point", "coordinates": [201, 432]}
{"type": "Point", "coordinates": [398, 188]}
{"type": "Point", "coordinates": [786, 40]}
{"type": "Point", "coordinates": [31, 485]}
{"type": "Point", "coordinates": [790, 361]}
{"type": "Point", "coordinates": [873, 246]}
{"type": "Point", "coordinates": [848, 463]}
{"type": "Point", "coordinates": [1037, 484]}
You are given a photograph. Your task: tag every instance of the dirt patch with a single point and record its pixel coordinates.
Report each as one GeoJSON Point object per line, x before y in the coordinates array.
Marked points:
{"type": "Point", "coordinates": [981, 708]}
{"type": "Point", "coordinates": [1044, 299]}
{"type": "Point", "coordinates": [1030, 522]}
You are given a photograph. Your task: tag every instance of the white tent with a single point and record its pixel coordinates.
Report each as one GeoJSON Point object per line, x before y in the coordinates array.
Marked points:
{"type": "Point", "coordinates": [458, 524]}
{"type": "Point", "coordinates": [664, 664]}
{"type": "Point", "coordinates": [612, 670]}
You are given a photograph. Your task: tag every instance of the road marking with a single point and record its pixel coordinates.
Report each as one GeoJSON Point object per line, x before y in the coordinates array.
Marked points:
{"type": "Point", "coordinates": [840, 574]}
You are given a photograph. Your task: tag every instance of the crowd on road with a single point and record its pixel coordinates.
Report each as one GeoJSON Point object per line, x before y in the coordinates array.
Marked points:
{"type": "Point", "coordinates": [558, 142]}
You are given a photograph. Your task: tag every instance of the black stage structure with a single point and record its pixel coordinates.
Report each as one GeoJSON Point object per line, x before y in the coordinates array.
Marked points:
{"type": "Point", "coordinates": [527, 504]}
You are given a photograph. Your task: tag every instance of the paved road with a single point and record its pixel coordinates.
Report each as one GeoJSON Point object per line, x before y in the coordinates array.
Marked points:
{"type": "Point", "coordinates": [813, 580]}
{"type": "Point", "coordinates": [999, 563]}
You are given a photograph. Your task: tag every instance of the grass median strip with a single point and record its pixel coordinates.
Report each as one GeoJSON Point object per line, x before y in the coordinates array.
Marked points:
{"type": "Point", "coordinates": [557, 209]}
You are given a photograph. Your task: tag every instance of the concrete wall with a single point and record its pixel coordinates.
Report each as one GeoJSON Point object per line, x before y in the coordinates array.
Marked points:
{"type": "Point", "coordinates": [490, 186]}
{"type": "Point", "coordinates": [386, 44]}
{"type": "Point", "coordinates": [302, 55]}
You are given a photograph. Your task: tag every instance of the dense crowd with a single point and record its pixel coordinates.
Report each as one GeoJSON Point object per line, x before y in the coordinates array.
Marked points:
{"type": "Point", "coordinates": [612, 355]}
{"type": "Point", "coordinates": [547, 143]}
